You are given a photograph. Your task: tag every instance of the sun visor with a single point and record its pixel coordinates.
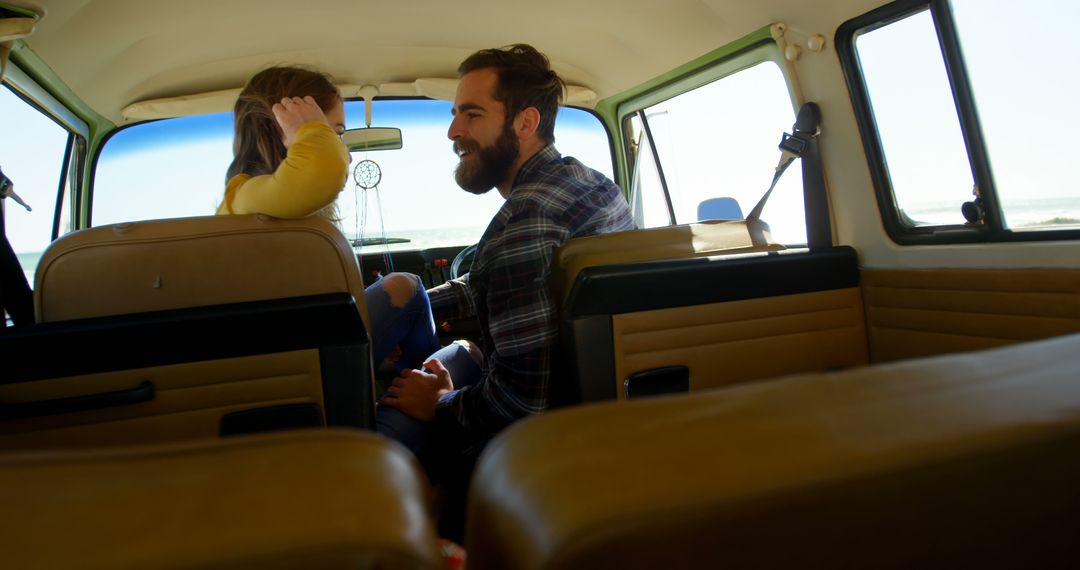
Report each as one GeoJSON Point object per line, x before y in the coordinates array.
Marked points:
{"type": "Point", "coordinates": [168, 107]}
{"type": "Point", "coordinates": [223, 100]}
{"type": "Point", "coordinates": [12, 29]}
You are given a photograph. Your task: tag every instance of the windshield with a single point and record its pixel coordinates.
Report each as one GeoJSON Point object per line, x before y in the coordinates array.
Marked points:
{"type": "Point", "coordinates": [176, 168]}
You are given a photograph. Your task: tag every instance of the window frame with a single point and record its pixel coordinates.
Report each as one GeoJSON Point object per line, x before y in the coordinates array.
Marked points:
{"type": "Point", "coordinates": [766, 49]}
{"type": "Point", "coordinates": [70, 182]}
{"type": "Point", "coordinates": [749, 56]}
{"type": "Point", "coordinates": [89, 218]}
{"type": "Point", "coordinates": [613, 161]}
{"type": "Point", "coordinates": [993, 227]}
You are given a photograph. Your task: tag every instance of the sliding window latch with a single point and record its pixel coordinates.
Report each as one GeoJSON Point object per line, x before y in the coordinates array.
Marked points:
{"type": "Point", "coordinates": [974, 212]}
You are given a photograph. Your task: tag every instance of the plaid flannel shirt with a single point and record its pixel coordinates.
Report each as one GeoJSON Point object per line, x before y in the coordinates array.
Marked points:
{"type": "Point", "coordinates": [508, 288]}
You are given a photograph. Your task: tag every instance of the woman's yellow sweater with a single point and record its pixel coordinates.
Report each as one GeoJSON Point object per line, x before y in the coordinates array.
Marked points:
{"type": "Point", "coordinates": [310, 177]}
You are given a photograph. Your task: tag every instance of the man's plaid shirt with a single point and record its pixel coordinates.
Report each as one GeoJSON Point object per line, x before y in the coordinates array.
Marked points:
{"type": "Point", "coordinates": [508, 288]}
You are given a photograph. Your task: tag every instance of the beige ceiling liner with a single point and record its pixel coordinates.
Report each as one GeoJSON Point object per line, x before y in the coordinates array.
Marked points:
{"type": "Point", "coordinates": [117, 54]}
{"type": "Point", "coordinates": [223, 100]}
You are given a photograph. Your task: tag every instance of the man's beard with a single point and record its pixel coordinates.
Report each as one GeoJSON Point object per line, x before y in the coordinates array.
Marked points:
{"type": "Point", "coordinates": [489, 165]}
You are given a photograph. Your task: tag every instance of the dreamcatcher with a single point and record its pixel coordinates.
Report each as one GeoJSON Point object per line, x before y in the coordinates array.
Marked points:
{"type": "Point", "coordinates": [366, 176]}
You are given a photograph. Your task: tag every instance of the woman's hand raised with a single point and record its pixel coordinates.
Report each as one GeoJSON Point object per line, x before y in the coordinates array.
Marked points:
{"type": "Point", "coordinates": [292, 112]}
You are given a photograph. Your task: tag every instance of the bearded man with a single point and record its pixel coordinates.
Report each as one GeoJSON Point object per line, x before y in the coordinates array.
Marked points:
{"type": "Point", "coordinates": [503, 131]}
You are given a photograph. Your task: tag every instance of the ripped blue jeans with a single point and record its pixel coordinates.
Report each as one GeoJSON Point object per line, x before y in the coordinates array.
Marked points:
{"type": "Point", "coordinates": [400, 315]}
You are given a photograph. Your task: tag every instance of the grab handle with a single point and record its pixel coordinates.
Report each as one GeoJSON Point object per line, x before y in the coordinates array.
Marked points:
{"type": "Point", "coordinates": [142, 393]}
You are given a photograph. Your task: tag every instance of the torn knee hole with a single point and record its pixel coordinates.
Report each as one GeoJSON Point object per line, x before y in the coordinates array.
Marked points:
{"type": "Point", "coordinates": [400, 288]}
{"type": "Point", "coordinates": [474, 351]}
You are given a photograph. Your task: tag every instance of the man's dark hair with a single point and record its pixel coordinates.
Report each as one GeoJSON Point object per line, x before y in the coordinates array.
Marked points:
{"type": "Point", "coordinates": [525, 80]}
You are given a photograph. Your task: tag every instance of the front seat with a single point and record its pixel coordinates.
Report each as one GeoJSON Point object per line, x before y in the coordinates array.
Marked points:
{"type": "Point", "coordinates": [195, 327]}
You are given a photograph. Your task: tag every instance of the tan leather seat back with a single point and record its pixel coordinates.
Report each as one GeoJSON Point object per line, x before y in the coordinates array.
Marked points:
{"type": "Point", "coordinates": [191, 262]}
{"type": "Point", "coordinates": [665, 306]}
{"type": "Point", "coordinates": [309, 499]}
{"type": "Point", "coordinates": [699, 239]}
{"type": "Point", "coordinates": [967, 460]}
{"type": "Point", "coordinates": [204, 363]}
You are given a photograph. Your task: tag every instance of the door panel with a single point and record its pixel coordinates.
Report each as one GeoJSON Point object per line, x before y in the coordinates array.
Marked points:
{"type": "Point", "coordinates": [912, 313]}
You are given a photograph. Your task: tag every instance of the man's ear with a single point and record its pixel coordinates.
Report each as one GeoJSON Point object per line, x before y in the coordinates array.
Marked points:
{"type": "Point", "coordinates": [526, 123]}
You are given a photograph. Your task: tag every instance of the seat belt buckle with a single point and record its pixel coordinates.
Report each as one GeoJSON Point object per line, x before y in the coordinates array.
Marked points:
{"type": "Point", "coordinates": [794, 144]}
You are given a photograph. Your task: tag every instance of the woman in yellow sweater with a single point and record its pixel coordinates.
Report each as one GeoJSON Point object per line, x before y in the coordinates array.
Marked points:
{"type": "Point", "coordinates": [288, 158]}
{"type": "Point", "coordinates": [289, 162]}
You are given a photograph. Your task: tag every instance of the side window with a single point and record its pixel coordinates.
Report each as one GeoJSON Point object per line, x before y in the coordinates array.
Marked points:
{"type": "Point", "coordinates": [910, 94]}
{"type": "Point", "coordinates": [717, 151]}
{"type": "Point", "coordinates": [967, 134]}
{"type": "Point", "coordinates": [32, 154]}
{"type": "Point", "coordinates": [1028, 112]}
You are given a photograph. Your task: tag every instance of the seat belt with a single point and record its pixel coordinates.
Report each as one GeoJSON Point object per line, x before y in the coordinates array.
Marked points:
{"type": "Point", "coordinates": [16, 296]}
{"type": "Point", "coordinates": [802, 143]}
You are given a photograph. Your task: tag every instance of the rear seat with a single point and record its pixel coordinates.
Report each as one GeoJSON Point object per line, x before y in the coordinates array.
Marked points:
{"type": "Point", "coordinates": [954, 461]}
{"type": "Point", "coordinates": [173, 329]}
{"type": "Point", "coordinates": [325, 499]}
{"type": "Point", "coordinates": [700, 306]}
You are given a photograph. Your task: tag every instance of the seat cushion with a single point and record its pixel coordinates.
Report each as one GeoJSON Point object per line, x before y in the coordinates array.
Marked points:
{"type": "Point", "coordinates": [314, 499]}
{"type": "Point", "coordinates": [960, 460]}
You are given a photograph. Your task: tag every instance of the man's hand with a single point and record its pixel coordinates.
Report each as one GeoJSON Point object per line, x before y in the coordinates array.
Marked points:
{"type": "Point", "coordinates": [417, 392]}
{"type": "Point", "coordinates": [292, 112]}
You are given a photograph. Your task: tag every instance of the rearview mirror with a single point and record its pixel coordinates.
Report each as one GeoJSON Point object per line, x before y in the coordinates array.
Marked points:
{"type": "Point", "coordinates": [377, 138]}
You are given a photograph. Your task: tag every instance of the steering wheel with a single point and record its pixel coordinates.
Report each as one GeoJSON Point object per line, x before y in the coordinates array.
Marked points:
{"type": "Point", "coordinates": [459, 260]}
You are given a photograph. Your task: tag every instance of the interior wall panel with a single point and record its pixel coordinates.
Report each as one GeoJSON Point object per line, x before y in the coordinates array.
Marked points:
{"type": "Point", "coordinates": [739, 341]}
{"type": "Point", "coordinates": [925, 312]}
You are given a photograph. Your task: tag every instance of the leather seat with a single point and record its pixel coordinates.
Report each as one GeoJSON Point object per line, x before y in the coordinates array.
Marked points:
{"type": "Point", "coordinates": [185, 328]}
{"type": "Point", "coordinates": [699, 239]}
{"type": "Point", "coordinates": [700, 306]}
{"type": "Point", "coordinates": [309, 499]}
{"type": "Point", "coordinates": [966, 460]}
{"type": "Point", "coordinates": [191, 262]}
